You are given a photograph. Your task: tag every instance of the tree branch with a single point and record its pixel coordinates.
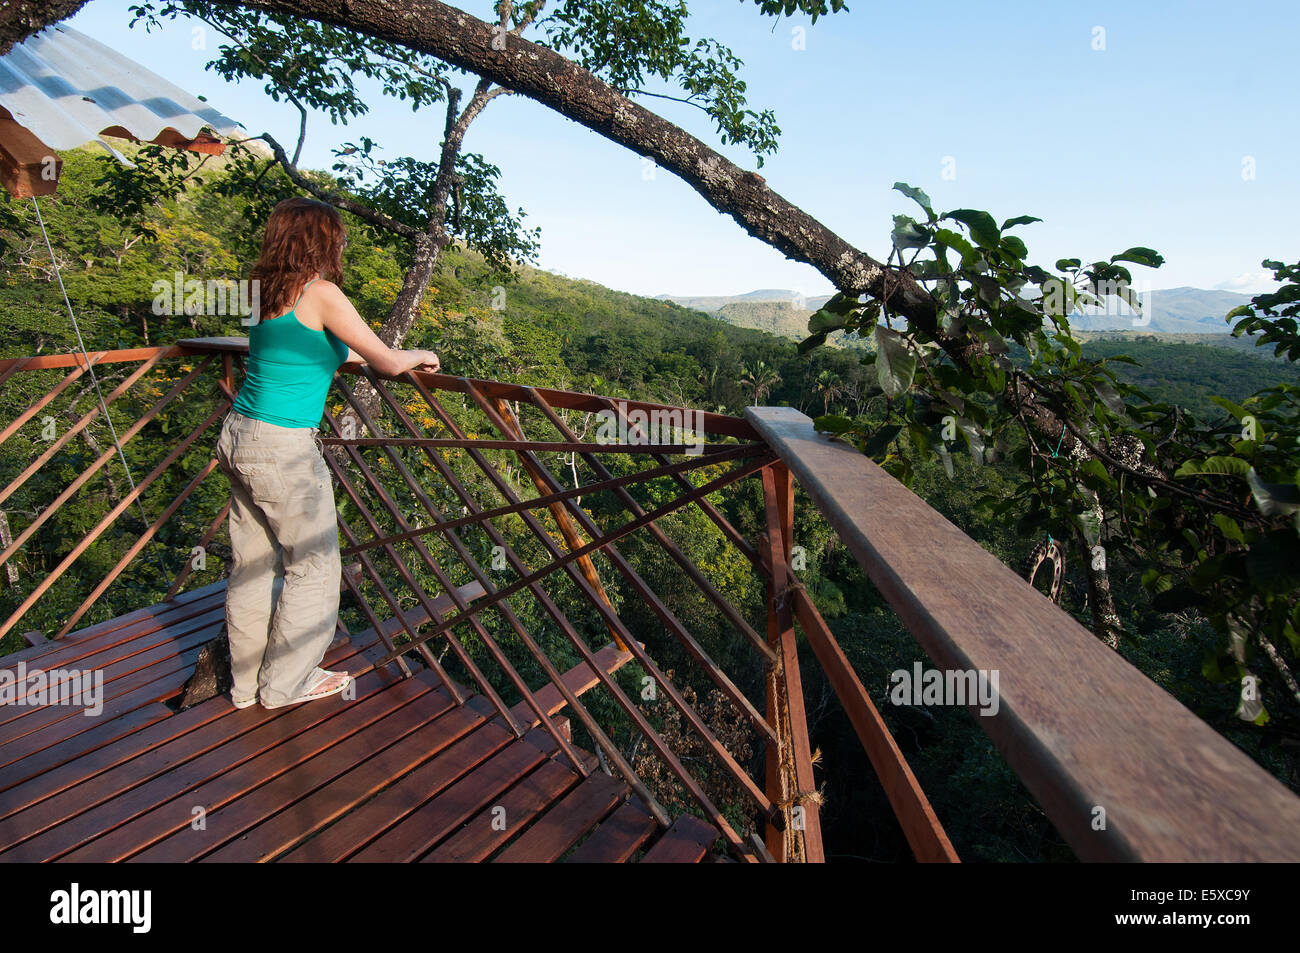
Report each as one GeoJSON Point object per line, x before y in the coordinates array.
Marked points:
{"type": "Point", "coordinates": [337, 199]}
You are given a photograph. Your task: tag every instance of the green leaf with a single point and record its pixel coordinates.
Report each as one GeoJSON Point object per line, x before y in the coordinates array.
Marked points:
{"type": "Point", "coordinates": [823, 322]}
{"type": "Point", "coordinates": [1015, 246]}
{"type": "Point", "coordinates": [946, 237]}
{"type": "Point", "coordinates": [1068, 264]}
{"type": "Point", "coordinates": [1140, 256]}
{"type": "Point", "coordinates": [917, 196]}
{"type": "Point", "coordinates": [1274, 498]}
{"type": "Point", "coordinates": [841, 303]}
{"type": "Point", "coordinates": [920, 437]}
{"type": "Point", "coordinates": [981, 224]}
{"type": "Point", "coordinates": [1236, 410]}
{"type": "Point", "coordinates": [833, 423]}
{"type": "Point", "coordinates": [1215, 466]}
{"type": "Point", "coordinates": [895, 363]}
{"type": "Point", "coordinates": [811, 342]}
{"type": "Point", "coordinates": [908, 234]}
{"type": "Point", "coordinates": [1229, 528]}
{"type": "Point", "coordinates": [877, 443]}
{"type": "Point", "coordinates": [1019, 220]}
{"type": "Point", "coordinates": [1097, 471]}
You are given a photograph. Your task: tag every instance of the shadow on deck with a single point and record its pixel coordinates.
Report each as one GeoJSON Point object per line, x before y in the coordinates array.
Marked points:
{"type": "Point", "coordinates": [399, 773]}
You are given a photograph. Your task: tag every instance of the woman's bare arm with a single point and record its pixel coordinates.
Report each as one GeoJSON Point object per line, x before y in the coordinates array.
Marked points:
{"type": "Point", "coordinates": [338, 314]}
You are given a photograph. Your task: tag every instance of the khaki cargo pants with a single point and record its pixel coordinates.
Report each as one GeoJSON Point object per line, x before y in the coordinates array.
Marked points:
{"type": "Point", "coordinates": [282, 598]}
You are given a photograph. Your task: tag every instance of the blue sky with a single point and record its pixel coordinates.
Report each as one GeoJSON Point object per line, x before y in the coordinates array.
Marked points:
{"type": "Point", "coordinates": [1007, 106]}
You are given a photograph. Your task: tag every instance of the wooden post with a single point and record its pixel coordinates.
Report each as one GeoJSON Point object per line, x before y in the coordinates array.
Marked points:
{"type": "Point", "coordinates": [789, 773]}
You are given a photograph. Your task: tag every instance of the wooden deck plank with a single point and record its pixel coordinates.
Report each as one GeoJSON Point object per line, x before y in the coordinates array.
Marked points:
{"type": "Point", "coordinates": [73, 772]}
{"type": "Point", "coordinates": [400, 777]}
{"type": "Point", "coordinates": [686, 842]}
{"type": "Point", "coordinates": [282, 796]}
{"type": "Point", "coordinates": [151, 811]}
{"type": "Point", "coordinates": [354, 831]}
{"type": "Point", "coordinates": [579, 679]}
{"type": "Point", "coordinates": [618, 837]}
{"type": "Point", "coordinates": [483, 834]}
{"type": "Point", "coordinates": [113, 670]}
{"type": "Point", "coordinates": [122, 642]}
{"type": "Point", "coordinates": [101, 760]}
{"type": "Point", "coordinates": [58, 724]}
{"type": "Point", "coordinates": [272, 836]}
{"type": "Point", "coordinates": [455, 799]}
{"type": "Point", "coordinates": [120, 629]}
{"type": "Point", "coordinates": [476, 741]}
{"type": "Point", "coordinates": [105, 733]}
{"type": "Point", "coordinates": [564, 824]}
{"type": "Point", "coordinates": [189, 755]}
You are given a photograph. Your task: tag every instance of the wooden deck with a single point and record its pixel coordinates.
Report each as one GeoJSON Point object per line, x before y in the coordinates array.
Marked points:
{"type": "Point", "coordinates": [400, 773]}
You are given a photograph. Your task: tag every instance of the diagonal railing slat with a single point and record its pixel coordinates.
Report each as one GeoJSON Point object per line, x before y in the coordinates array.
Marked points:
{"type": "Point", "coordinates": [445, 581]}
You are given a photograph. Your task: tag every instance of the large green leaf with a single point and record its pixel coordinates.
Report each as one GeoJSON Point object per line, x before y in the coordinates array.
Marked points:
{"type": "Point", "coordinates": [1236, 410]}
{"type": "Point", "coordinates": [981, 224]}
{"type": "Point", "coordinates": [1273, 498]}
{"type": "Point", "coordinates": [1097, 472]}
{"type": "Point", "coordinates": [917, 196]}
{"type": "Point", "coordinates": [908, 234]}
{"type": "Point", "coordinates": [946, 237]}
{"type": "Point", "coordinates": [1110, 396]}
{"type": "Point", "coordinates": [812, 342]}
{"type": "Point", "coordinates": [1215, 466]}
{"type": "Point", "coordinates": [1140, 256]}
{"type": "Point", "coordinates": [833, 423]}
{"type": "Point", "coordinates": [823, 322]}
{"type": "Point", "coordinates": [1015, 246]}
{"type": "Point", "coordinates": [1019, 220]}
{"type": "Point", "coordinates": [895, 363]}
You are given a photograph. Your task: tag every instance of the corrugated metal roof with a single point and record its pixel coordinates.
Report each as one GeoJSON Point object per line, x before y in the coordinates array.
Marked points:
{"type": "Point", "coordinates": [67, 88]}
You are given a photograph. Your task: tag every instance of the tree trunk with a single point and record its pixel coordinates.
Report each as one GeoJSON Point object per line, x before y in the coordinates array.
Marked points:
{"type": "Point", "coordinates": [400, 320]}
{"type": "Point", "coordinates": [429, 244]}
{"type": "Point", "coordinates": [1106, 624]}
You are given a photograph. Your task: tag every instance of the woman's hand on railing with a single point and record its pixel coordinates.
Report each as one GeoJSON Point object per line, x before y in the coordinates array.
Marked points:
{"type": "Point", "coordinates": [414, 359]}
{"type": "Point", "coordinates": [428, 361]}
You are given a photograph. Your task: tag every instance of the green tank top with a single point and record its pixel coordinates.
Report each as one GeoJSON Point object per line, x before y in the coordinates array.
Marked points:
{"type": "Point", "coordinates": [289, 370]}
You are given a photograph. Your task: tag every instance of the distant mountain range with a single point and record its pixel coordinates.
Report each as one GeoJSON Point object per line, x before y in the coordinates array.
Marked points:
{"type": "Point", "coordinates": [1167, 311]}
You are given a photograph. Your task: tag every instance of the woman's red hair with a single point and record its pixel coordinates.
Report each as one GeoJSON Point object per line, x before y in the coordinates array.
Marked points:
{"type": "Point", "coordinates": [304, 238]}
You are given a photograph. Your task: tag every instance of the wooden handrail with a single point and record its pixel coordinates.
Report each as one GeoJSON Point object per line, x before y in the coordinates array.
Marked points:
{"type": "Point", "coordinates": [1085, 730]}
{"type": "Point", "coordinates": [571, 400]}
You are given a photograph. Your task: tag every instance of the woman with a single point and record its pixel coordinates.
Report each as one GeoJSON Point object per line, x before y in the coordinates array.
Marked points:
{"type": "Point", "coordinates": [283, 594]}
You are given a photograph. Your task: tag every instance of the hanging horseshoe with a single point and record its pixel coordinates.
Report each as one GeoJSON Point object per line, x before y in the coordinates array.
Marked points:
{"type": "Point", "coordinates": [1049, 550]}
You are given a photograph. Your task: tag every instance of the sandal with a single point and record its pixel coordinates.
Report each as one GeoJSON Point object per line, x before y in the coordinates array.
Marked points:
{"type": "Point", "coordinates": [317, 678]}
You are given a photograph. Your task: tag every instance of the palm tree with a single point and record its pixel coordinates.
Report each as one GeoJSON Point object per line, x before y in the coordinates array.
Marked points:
{"type": "Point", "coordinates": [829, 385]}
{"type": "Point", "coordinates": [760, 379]}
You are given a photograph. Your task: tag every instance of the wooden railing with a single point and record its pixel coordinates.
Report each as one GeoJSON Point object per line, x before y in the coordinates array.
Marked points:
{"type": "Point", "coordinates": [1122, 769]}
{"type": "Point", "coordinates": [1083, 729]}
